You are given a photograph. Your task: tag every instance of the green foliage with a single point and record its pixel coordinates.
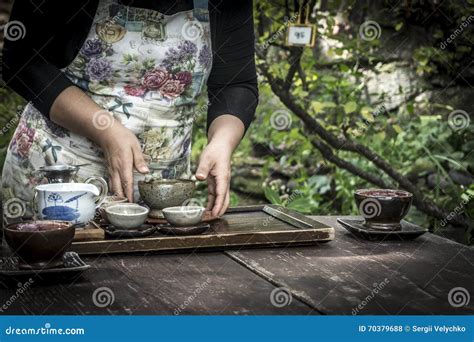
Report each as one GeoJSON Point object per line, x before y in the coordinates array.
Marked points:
{"type": "Point", "coordinates": [414, 137]}
{"type": "Point", "coordinates": [11, 106]}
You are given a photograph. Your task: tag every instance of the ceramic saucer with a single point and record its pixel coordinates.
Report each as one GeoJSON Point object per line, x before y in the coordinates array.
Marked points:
{"type": "Point", "coordinates": [409, 231]}
{"type": "Point", "coordinates": [176, 230]}
{"type": "Point", "coordinates": [72, 264]}
{"type": "Point", "coordinates": [142, 231]}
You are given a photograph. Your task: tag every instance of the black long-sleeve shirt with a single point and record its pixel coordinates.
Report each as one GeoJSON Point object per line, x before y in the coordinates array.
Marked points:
{"type": "Point", "coordinates": [55, 31]}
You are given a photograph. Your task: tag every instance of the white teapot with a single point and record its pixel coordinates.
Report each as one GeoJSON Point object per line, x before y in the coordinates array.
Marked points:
{"type": "Point", "coordinates": [74, 202]}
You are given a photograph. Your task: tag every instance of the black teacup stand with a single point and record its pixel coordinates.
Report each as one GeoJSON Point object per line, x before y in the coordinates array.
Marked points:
{"type": "Point", "coordinates": [407, 231]}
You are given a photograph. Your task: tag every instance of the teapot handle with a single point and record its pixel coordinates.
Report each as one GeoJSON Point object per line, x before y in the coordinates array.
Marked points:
{"type": "Point", "coordinates": [34, 205]}
{"type": "Point", "coordinates": [103, 187]}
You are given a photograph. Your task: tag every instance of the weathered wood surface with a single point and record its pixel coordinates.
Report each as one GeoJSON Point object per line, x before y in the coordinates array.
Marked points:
{"type": "Point", "coordinates": [335, 278]}
{"type": "Point", "coordinates": [208, 283]}
{"type": "Point", "coordinates": [331, 278]}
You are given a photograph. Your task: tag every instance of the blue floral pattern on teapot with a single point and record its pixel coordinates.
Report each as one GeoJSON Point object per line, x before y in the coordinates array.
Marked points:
{"type": "Point", "coordinates": [74, 202]}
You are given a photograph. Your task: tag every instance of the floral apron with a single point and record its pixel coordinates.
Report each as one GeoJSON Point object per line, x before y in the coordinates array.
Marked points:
{"type": "Point", "coordinates": [145, 68]}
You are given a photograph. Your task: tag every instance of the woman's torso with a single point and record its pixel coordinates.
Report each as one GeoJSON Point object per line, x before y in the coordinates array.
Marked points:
{"type": "Point", "coordinates": [145, 67]}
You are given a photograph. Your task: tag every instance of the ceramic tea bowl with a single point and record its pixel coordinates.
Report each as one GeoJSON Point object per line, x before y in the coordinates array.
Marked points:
{"type": "Point", "coordinates": [40, 244]}
{"type": "Point", "coordinates": [108, 201]}
{"type": "Point", "coordinates": [163, 193]}
{"type": "Point", "coordinates": [383, 208]}
{"type": "Point", "coordinates": [126, 215]}
{"type": "Point", "coordinates": [184, 215]}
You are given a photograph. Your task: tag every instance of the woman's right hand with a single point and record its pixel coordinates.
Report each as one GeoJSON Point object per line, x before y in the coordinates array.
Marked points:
{"type": "Point", "coordinates": [75, 111]}
{"type": "Point", "coordinates": [122, 153]}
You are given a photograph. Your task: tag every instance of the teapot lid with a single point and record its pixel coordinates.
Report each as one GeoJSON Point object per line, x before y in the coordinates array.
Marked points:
{"type": "Point", "coordinates": [59, 167]}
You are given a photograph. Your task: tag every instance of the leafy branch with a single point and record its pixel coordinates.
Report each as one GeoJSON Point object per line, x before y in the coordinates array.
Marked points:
{"type": "Point", "coordinates": [328, 144]}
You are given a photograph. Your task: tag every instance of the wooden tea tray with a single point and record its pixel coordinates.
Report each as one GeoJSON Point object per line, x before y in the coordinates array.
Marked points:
{"type": "Point", "coordinates": [240, 227]}
{"type": "Point", "coordinates": [90, 232]}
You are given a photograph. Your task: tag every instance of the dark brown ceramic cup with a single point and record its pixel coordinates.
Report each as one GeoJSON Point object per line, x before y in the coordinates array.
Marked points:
{"type": "Point", "coordinates": [383, 208]}
{"type": "Point", "coordinates": [40, 244]}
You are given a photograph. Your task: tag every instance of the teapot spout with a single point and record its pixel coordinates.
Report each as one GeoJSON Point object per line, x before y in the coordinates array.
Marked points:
{"type": "Point", "coordinates": [90, 188]}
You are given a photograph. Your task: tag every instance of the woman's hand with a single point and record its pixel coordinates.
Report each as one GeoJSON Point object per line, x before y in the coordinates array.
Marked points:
{"type": "Point", "coordinates": [224, 136]}
{"type": "Point", "coordinates": [122, 153]}
{"type": "Point", "coordinates": [214, 165]}
{"type": "Point", "coordinates": [75, 111]}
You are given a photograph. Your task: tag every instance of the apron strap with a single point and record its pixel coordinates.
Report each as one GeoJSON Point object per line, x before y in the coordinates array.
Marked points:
{"type": "Point", "coordinates": [201, 10]}
{"type": "Point", "coordinates": [201, 4]}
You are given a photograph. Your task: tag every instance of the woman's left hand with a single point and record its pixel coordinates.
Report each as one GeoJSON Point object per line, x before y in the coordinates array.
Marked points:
{"type": "Point", "coordinates": [214, 165]}
{"type": "Point", "coordinates": [224, 136]}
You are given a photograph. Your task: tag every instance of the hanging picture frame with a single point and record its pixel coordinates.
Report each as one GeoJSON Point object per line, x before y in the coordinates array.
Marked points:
{"type": "Point", "coordinates": [301, 34]}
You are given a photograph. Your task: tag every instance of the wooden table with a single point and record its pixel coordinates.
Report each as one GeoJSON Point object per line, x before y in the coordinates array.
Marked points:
{"type": "Point", "coordinates": [346, 276]}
